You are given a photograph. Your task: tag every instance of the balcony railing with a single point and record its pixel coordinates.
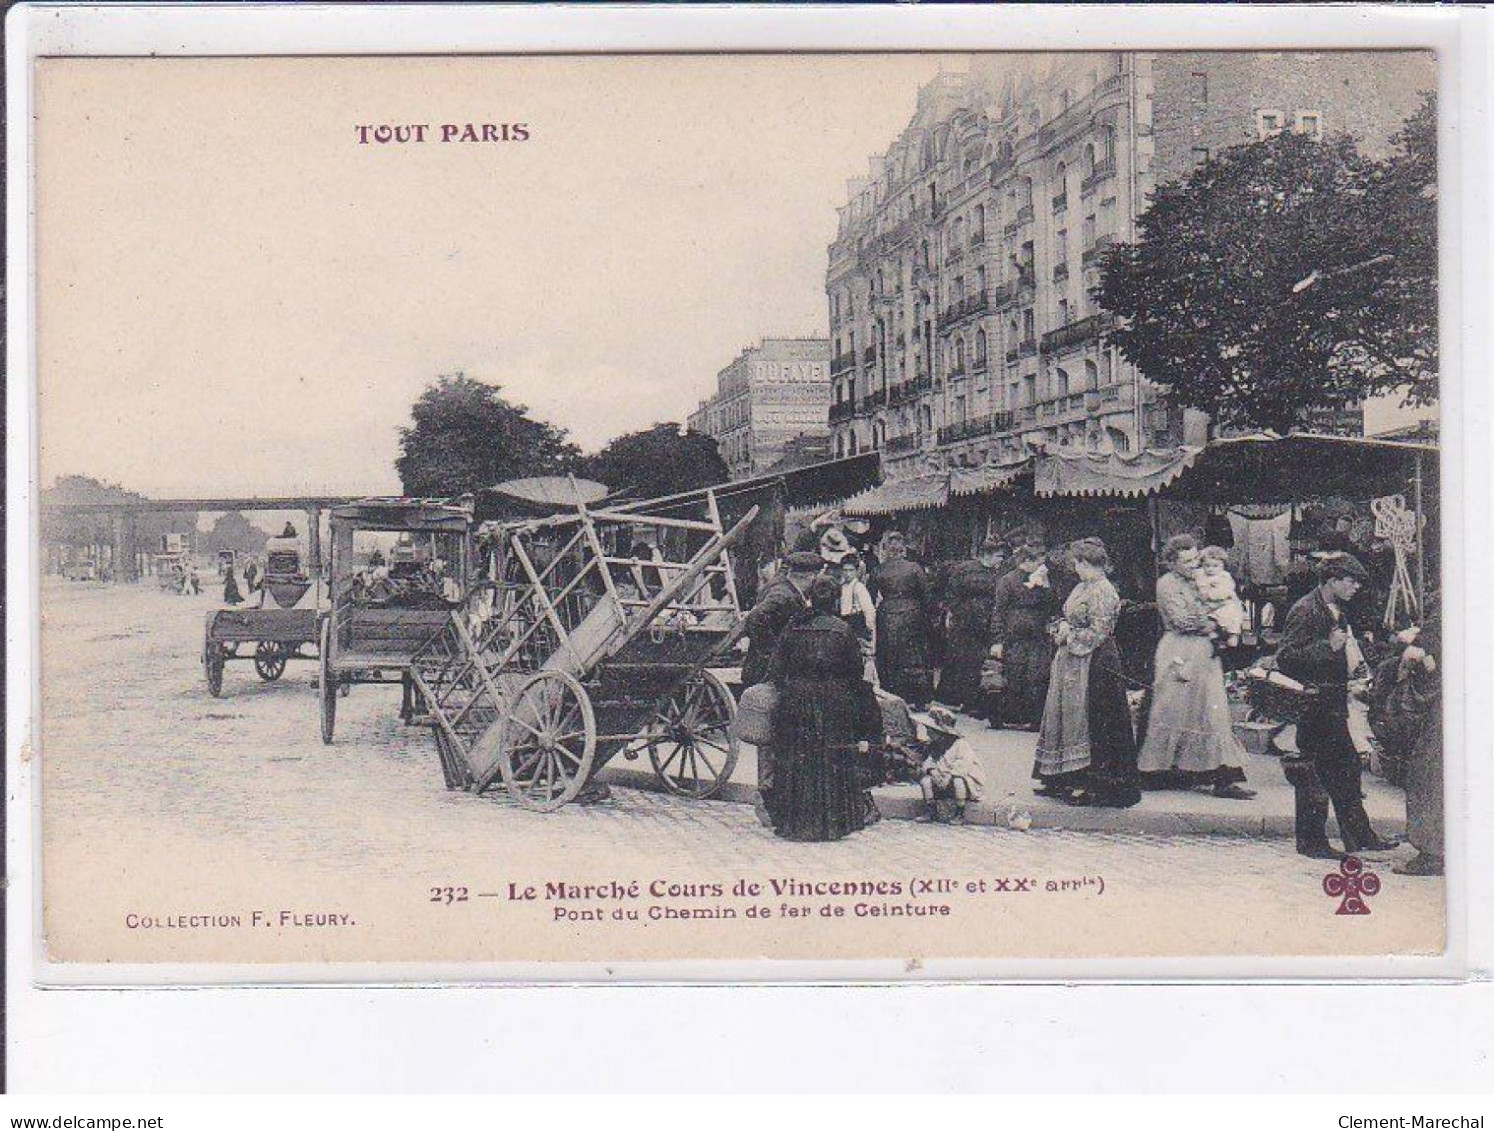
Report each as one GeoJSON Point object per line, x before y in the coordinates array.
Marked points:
{"type": "Point", "coordinates": [1027, 347]}
{"type": "Point", "coordinates": [988, 425]}
{"type": "Point", "coordinates": [1011, 356]}
{"type": "Point", "coordinates": [955, 254]}
{"type": "Point", "coordinates": [979, 365]}
{"type": "Point", "coordinates": [1072, 334]}
{"type": "Point", "coordinates": [1103, 171]}
{"type": "Point", "coordinates": [842, 410]}
{"type": "Point", "coordinates": [964, 308]}
{"type": "Point", "coordinates": [1092, 255]}
{"type": "Point", "coordinates": [1003, 293]}
{"type": "Point", "coordinates": [908, 391]}
{"type": "Point", "coordinates": [977, 239]}
{"type": "Point", "coordinates": [1060, 272]}
{"type": "Point", "coordinates": [842, 363]}
{"type": "Point", "coordinates": [1025, 214]}
{"type": "Point", "coordinates": [896, 445]}
{"type": "Point", "coordinates": [1061, 202]}
{"type": "Point", "coordinates": [873, 400]}
{"type": "Point", "coordinates": [955, 372]}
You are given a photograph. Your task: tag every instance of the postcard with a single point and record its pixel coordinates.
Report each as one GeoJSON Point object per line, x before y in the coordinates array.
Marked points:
{"type": "Point", "coordinates": [609, 512]}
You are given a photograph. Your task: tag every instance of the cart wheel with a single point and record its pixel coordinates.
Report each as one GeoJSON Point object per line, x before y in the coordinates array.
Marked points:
{"type": "Point", "coordinates": [327, 688]}
{"type": "Point", "coordinates": [213, 659]}
{"type": "Point", "coordinates": [548, 741]}
{"type": "Point", "coordinates": [269, 661]}
{"type": "Point", "coordinates": [691, 744]}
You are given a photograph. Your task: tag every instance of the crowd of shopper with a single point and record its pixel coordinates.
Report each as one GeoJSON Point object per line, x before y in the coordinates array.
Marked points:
{"type": "Point", "coordinates": [1024, 637]}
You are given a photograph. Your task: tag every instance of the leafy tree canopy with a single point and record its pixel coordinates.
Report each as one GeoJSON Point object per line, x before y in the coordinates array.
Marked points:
{"type": "Point", "coordinates": [467, 436]}
{"type": "Point", "coordinates": [1285, 275]}
{"type": "Point", "coordinates": [657, 461]}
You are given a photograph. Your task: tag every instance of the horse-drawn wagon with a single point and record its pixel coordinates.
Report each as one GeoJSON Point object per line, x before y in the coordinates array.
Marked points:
{"type": "Point", "coordinates": [591, 639]}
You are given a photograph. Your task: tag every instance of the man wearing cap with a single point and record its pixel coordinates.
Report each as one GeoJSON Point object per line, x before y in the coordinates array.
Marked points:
{"type": "Point", "coordinates": [1317, 647]}
{"type": "Point", "coordinates": [968, 592]}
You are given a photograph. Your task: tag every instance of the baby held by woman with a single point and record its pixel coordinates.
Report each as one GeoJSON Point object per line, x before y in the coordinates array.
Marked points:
{"type": "Point", "coordinates": [1217, 588]}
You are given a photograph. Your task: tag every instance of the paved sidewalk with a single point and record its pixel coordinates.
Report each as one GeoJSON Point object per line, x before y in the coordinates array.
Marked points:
{"type": "Point", "coordinates": [1008, 757]}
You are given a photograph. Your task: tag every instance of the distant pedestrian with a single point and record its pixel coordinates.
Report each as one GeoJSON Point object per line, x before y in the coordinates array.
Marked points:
{"type": "Point", "coordinates": [231, 594]}
{"type": "Point", "coordinates": [905, 625]}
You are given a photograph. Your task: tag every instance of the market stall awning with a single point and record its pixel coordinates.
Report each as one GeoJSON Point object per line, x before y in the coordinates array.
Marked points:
{"type": "Point", "coordinates": [1267, 468]}
{"type": "Point", "coordinates": [1259, 468]}
{"type": "Point", "coordinates": [1132, 476]}
{"type": "Point", "coordinates": [919, 492]}
{"type": "Point", "coordinates": [966, 481]}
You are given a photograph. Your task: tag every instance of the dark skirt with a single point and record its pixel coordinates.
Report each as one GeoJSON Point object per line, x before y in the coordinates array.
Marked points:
{"type": "Point", "coordinates": [959, 682]}
{"type": "Point", "coordinates": [816, 794]}
{"type": "Point", "coordinates": [903, 640]}
{"type": "Point", "coordinates": [1112, 769]}
{"type": "Point", "coordinates": [1026, 662]}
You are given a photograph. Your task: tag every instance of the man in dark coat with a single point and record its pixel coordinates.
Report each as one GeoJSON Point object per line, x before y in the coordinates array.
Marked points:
{"type": "Point", "coordinates": [777, 605]}
{"type": "Point", "coordinates": [968, 592]}
{"type": "Point", "coordinates": [1315, 646]}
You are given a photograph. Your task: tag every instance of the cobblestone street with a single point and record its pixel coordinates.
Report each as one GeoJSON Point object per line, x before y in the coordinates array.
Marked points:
{"type": "Point", "coordinates": [159, 798]}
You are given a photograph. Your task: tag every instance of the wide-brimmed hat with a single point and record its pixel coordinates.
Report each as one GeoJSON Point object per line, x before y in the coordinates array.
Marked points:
{"type": "Point", "coordinates": [834, 546]}
{"type": "Point", "coordinates": [803, 561]}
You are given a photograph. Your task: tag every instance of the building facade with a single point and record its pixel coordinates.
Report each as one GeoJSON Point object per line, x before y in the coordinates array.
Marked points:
{"type": "Point", "coordinates": [773, 399]}
{"type": "Point", "coordinates": [961, 324]}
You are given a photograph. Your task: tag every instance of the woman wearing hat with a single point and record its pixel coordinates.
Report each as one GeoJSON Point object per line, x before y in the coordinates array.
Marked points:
{"type": "Point", "coordinates": [1086, 752]}
{"type": "Point", "coordinates": [904, 625]}
{"type": "Point", "coordinates": [823, 725]}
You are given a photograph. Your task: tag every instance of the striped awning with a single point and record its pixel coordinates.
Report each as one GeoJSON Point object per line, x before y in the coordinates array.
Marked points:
{"type": "Point", "coordinates": [966, 481]}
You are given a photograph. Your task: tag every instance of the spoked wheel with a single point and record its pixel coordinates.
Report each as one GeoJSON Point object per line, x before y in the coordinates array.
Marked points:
{"type": "Point", "coordinates": [548, 741]}
{"type": "Point", "coordinates": [269, 660]}
{"type": "Point", "coordinates": [327, 688]}
{"type": "Point", "coordinates": [691, 744]}
{"type": "Point", "coordinates": [212, 659]}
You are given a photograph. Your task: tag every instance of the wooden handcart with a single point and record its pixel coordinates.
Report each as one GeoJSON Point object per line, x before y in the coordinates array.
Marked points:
{"type": "Point", "coordinates": [271, 635]}
{"type": "Point", "coordinates": [384, 608]}
{"type": "Point", "coordinates": [591, 639]}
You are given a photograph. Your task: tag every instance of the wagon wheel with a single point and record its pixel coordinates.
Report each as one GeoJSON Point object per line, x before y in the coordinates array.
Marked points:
{"type": "Point", "coordinates": [327, 688]}
{"type": "Point", "coordinates": [691, 744]}
{"type": "Point", "coordinates": [212, 658]}
{"type": "Point", "coordinates": [548, 741]}
{"type": "Point", "coordinates": [269, 660]}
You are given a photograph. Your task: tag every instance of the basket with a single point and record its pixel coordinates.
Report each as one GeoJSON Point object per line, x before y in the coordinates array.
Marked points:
{"type": "Point", "coordinates": [754, 721]}
{"type": "Point", "coordinates": [1275, 696]}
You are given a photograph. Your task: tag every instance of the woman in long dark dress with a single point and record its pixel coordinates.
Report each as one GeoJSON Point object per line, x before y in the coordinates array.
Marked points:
{"type": "Point", "coordinates": [1086, 753]}
{"type": "Point", "coordinates": [1023, 607]}
{"type": "Point", "coordinates": [970, 591]}
{"type": "Point", "coordinates": [823, 725]}
{"type": "Point", "coordinates": [905, 626]}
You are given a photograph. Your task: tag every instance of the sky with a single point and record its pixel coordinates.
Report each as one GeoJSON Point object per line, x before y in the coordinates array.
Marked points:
{"type": "Point", "coordinates": [236, 296]}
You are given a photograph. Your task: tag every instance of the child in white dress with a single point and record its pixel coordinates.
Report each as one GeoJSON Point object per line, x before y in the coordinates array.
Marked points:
{"type": "Point", "coordinates": [1217, 588]}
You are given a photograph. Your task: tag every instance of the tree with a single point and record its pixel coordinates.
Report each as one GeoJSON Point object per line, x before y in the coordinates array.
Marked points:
{"type": "Point", "coordinates": [1275, 279]}
{"type": "Point", "coordinates": [466, 436]}
{"type": "Point", "coordinates": [657, 461]}
{"type": "Point", "coordinates": [234, 532]}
